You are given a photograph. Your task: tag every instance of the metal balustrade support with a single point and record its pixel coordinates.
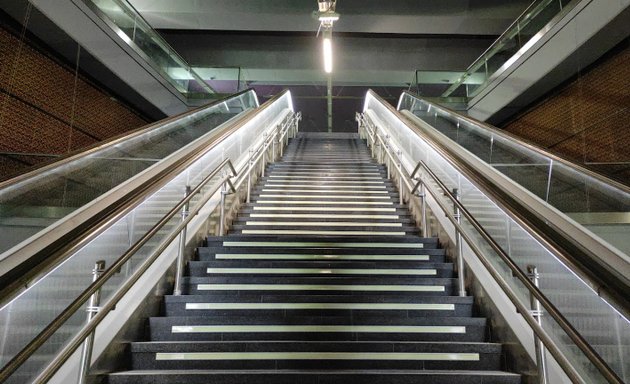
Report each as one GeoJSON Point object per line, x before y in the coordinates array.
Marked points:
{"type": "Point", "coordinates": [92, 309]}
{"type": "Point", "coordinates": [224, 192]}
{"type": "Point", "coordinates": [250, 166]}
{"type": "Point", "coordinates": [429, 183]}
{"type": "Point", "coordinates": [179, 271]}
{"type": "Point", "coordinates": [264, 156]}
{"type": "Point", "coordinates": [541, 355]}
{"type": "Point", "coordinates": [274, 141]}
{"type": "Point", "coordinates": [461, 279]}
{"type": "Point", "coordinates": [401, 191]}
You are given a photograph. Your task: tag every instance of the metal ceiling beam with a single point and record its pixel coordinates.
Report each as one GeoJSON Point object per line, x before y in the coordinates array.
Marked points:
{"type": "Point", "coordinates": [448, 17]}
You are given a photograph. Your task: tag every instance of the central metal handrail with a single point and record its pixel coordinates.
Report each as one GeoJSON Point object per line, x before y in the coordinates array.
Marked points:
{"type": "Point", "coordinates": [39, 340]}
{"type": "Point", "coordinates": [408, 180]}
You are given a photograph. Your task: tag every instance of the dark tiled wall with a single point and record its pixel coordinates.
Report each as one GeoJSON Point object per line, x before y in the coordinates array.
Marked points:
{"type": "Point", "coordinates": [46, 109]}
{"type": "Point", "coordinates": [587, 120]}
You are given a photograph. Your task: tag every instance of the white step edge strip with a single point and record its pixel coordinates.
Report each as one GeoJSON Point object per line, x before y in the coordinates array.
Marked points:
{"type": "Point", "coordinates": [318, 202]}
{"type": "Point", "coordinates": [315, 187]}
{"type": "Point", "coordinates": [282, 256]}
{"type": "Point", "coordinates": [317, 328]}
{"type": "Point", "coordinates": [341, 306]}
{"type": "Point", "coordinates": [267, 196]}
{"type": "Point", "coordinates": [331, 209]}
{"type": "Point", "coordinates": [327, 173]}
{"type": "Point", "coordinates": [321, 287]}
{"type": "Point", "coordinates": [363, 192]}
{"type": "Point", "coordinates": [320, 244]}
{"type": "Point", "coordinates": [323, 224]}
{"type": "Point", "coordinates": [323, 233]}
{"type": "Point", "coordinates": [329, 271]}
{"type": "Point", "coordinates": [324, 216]}
{"type": "Point", "coordinates": [407, 356]}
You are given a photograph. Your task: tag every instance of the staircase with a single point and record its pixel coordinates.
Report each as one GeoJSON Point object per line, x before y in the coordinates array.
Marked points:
{"type": "Point", "coordinates": [322, 279]}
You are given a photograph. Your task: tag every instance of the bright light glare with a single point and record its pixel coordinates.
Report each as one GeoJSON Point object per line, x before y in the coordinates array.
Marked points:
{"type": "Point", "coordinates": [328, 19]}
{"type": "Point", "coordinates": [328, 64]}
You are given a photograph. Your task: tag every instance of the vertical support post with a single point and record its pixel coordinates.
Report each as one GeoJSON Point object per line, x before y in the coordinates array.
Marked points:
{"type": "Point", "coordinates": [273, 145]}
{"type": "Point", "coordinates": [423, 209]}
{"type": "Point", "coordinates": [92, 309]}
{"type": "Point", "coordinates": [250, 165]}
{"type": "Point", "coordinates": [179, 271]}
{"type": "Point", "coordinates": [329, 90]}
{"type": "Point", "coordinates": [222, 214]}
{"type": "Point", "coordinates": [461, 279]}
{"type": "Point", "coordinates": [400, 178]}
{"type": "Point", "coordinates": [541, 356]}
{"type": "Point", "coordinates": [263, 156]}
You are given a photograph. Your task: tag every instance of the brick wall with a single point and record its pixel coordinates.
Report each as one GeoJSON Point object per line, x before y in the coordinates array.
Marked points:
{"type": "Point", "coordinates": [587, 120]}
{"type": "Point", "coordinates": [46, 109]}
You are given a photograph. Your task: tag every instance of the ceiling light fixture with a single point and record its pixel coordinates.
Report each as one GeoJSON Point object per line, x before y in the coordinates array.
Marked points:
{"type": "Point", "coordinates": [328, 61]}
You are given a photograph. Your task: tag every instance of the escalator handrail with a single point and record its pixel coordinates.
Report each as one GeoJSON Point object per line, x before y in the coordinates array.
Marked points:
{"type": "Point", "coordinates": [86, 230]}
{"type": "Point", "coordinates": [156, 36]}
{"type": "Point", "coordinates": [58, 322]}
{"type": "Point", "coordinates": [108, 143]}
{"type": "Point", "coordinates": [551, 345]}
{"type": "Point", "coordinates": [567, 240]}
{"type": "Point", "coordinates": [469, 70]}
{"type": "Point", "coordinates": [526, 216]}
{"type": "Point", "coordinates": [615, 296]}
{"type": "Point", "coordinates": [522, 142]}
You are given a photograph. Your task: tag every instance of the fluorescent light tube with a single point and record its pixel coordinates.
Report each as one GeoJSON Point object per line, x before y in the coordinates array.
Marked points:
{"type": "Point", "coordinates": [328, 64]}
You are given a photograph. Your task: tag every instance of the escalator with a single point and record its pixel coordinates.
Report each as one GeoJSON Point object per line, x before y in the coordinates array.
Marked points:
{"type": "Point", "coordinates": [253, 253]}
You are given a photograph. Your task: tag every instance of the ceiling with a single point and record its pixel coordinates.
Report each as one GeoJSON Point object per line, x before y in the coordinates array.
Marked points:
{"type": "Point", "coordinates": [450, 17]}
{"type": "Point", "coordinates": [376, 43]}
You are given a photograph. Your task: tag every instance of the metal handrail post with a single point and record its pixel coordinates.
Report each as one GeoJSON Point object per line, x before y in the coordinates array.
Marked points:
{"type": "Point", "coordinates": [92, 309]}
{"type": "Point", "coordinates": [250, 165]}
{"type": "Point", "coordinates": [541, 355]}
{"type": "Point", "coordinates": [422, 195]}
{"type": "Point", "coordinates": [273, 144]}
{"type": "Point", "coordinates": [400, 178]}
{"type": "Point", "coordinates": [461, 278]}
{"type": "Point", "coordinates": [263, 158]}
{"type": "Point", "coordinates": [224, 192]}
{"type": "Point", "coordinates": [179, 271]}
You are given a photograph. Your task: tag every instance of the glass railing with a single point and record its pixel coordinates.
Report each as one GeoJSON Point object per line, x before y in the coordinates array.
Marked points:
{"type": "Point", "coordinates": [519, 34]}
{"type": "Point", "coordinates": [34, 202]}
{"type": "Point", "coordinates": [600, 205]}
{"type": "Point", "coordinates": [24, 317]}
{"type": "Point", "coordinates": [136, 31]}
{"type": "Point", "coordinates": [605, 330]}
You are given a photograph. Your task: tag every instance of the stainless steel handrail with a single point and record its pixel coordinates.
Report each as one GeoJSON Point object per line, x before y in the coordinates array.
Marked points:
{"type": "Point", "coordinates": [469, 70]}
{"type": "Point", "coordinates": [172, 50]}
{"type": "Point", "coordinates": [84, 152]}
{"type": "Point", "coordinates": [575, 336]}
{"type": "Point", "coordinates": [58, 322]}
{"type": "Point", "coordinates": [529, 145]}
{"type": "Point", "coordinates": [105, 18]}
{"type": "Point", "coordinates": [117, 208]}
{"type": "Point", "coordinates": [613, 295]}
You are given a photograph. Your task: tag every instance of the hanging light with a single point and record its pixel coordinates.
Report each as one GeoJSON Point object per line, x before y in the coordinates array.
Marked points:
{"type": "Point", "coordinates": [328, 61]}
